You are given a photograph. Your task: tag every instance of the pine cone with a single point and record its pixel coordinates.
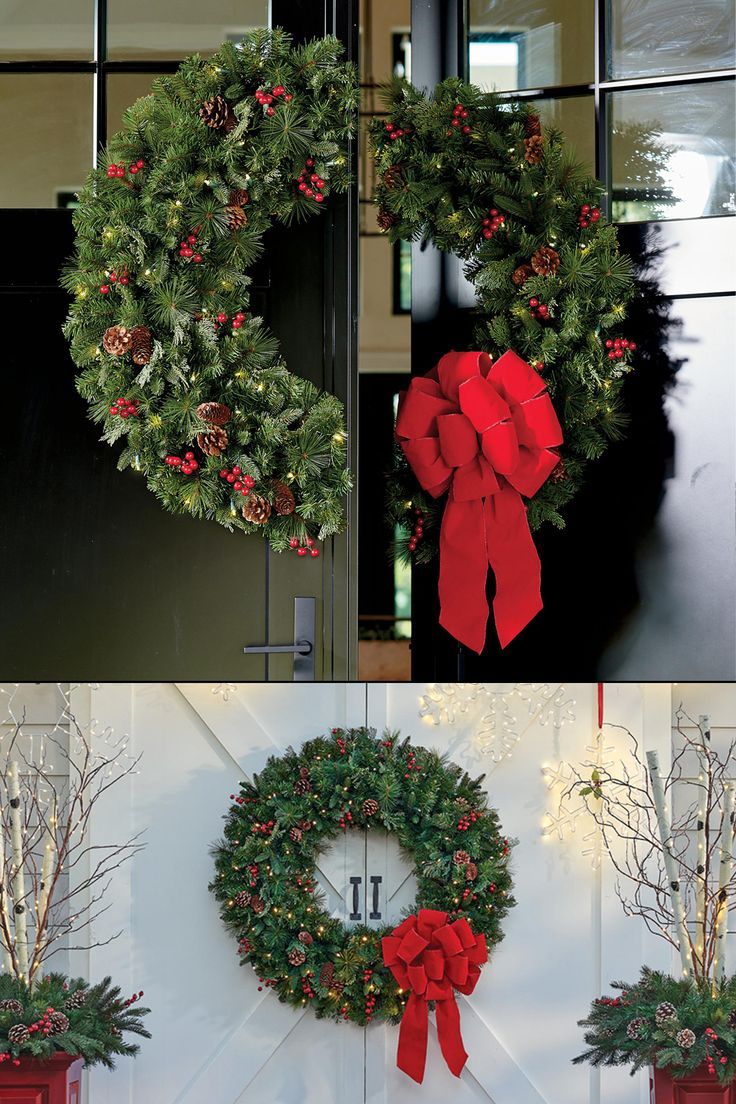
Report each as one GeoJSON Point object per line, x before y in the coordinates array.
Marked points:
{"type": "Point", "coordinates": [545, 261]}
{"type": "Point", "coordinates": [305, 825]}
{"type": "Point", "coordinates": [77, 999]}
{"type": "Point", "coordinates": [236, 217]}
{"type": "Point", "coordinates": [461, 858]}
{"type": "Point", "coordinates": [326, 975]}
{"type": "Point", "coordinates": [296, 957]}
{"type": "Point", "coordinates": [386, 219]}
{"type": "Point", "coordinates": [635, 1028]}
{"type": "Point", "coordinates": [305, 938]}
{"type": "Point", "coordinates": [521, 274]}
{"type": "Point", "coordinates": [665, 1013]}
{"type": "Point", "coordinates": [532, 126]}
{"type": "Point", "coordinates": [370, 807]}
{"type": "Point", "coordinates": [213, 442]}
{"type": "Point", "coordinates": [256, 509]}
{"type": "Point", "coordinates": [239, 197]}
{"type": "Point", "coordinates": [117, 340]}
{"type": "Point", "coordinates": [218, 114]}
{"type": "Point", "coordinates": [59, 1023]}
{"type": "Point", "coordinates": [533, 149]}
{"type": "Point", "coordinates": [242, 899]}
{"type": "Point", "coordinates": [302, 786]}
{"type": "Point", "coordinates": [18, 1034]}
{"type": "Point", "coordinates": [295, 835]}
{"type": "Point", "coordinates": [11, 1005]}
{"type": "Point", "coordinates": [685, 1038]}
{"type": "Point", "coordinates": [559, 475]}
{"type": "Point", "coordinates": [284, 502]}
{"type": "Point", "coordinates": [214, 412]}
{"type": "Point", "coordinates": [732, 1018]}
{"type": "Point", "coordinates": [471, 872]}
{"type": "Point", "coordinates": [257, 904]}
{"type": "Point", "coordinates": [141, 345]}
{"type": "Point", "coordinates": [461, 802]}
{"type": "Point", "coordinates": [393, 177]}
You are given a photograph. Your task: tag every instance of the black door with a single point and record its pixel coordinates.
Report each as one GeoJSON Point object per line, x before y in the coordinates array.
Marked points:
{"type": "Point", "coordinates": [99, 582]}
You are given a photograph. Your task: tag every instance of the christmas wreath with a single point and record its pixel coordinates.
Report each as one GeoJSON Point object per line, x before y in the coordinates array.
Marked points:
{"type": "Point", "coordinates": [265, 883]}
{"type": "Point", "coordinates": [170, 358]}
{"type": "Point", "coordinates": [481, 178]}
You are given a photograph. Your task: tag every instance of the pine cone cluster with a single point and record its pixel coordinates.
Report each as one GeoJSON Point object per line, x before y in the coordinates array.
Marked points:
{"type": "Point", "coordinates": [305, 938]}
{"type": "Point", "coordinates": [18, 1034]}
{"type": "Point", "coordinates": [284, 502]}
{"type": "Point", "coordinates": [214, 412]}
{"type": "Point", "coordinates": [532, 126]}
{"type": "Point", "coordinates": [545, 261]}
{"type": "Point", "coordinates": [117, 340]}
{"type": "Point", "coordinates": [213, 442]}
{"type": "Point", "coordinates": [635, 1028]}
{"type": "Point", "coordinates": [370, 807]}
{"type": "Point", "coordinates": [685, 1038]}
{"type": "Point", "coordinates": [521, 274]}
{"type": "Point", "coordinates": [141, 345]}
{"type": "Point", "coordinates": [296, 957]}
{"type": "Point", "coordinates": [303, 783]}
{"type": "Point", "coordinates": [11, 1005]}
{"type": "Point", "coordinates": [256, 509]}
{"type": "Point", "coordinates": [665, 1013]}
{"type": "Point", "coordinates": [533, 149]}
{"type": "Point", "coordinates": [236, 217]}
{"type": "Point", "coordinates": [471, 872]}
{"type": "Point", "coordinates": [77, 999]}
{"type": "Point", "coordinates": [58, 1023]}
{"type": "Point", "coordinates": [218, 114]}
{"type": "Point", "coordinates": [386, 219]}
{"type": "Point", "coordinates": [242, 899]}
{"type": "Point", "coordinates": [461, 858]}
{"type": "Point", "coordinates": [393, 178]}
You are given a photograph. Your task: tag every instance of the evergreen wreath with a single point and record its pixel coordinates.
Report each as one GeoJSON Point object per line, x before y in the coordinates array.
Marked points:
{"type": "Point", "coordinates": [278, 824]}
{"type": "Point", "coordinates": [171, 361]}
{"type": "Point", "coordinates": [481, 178]}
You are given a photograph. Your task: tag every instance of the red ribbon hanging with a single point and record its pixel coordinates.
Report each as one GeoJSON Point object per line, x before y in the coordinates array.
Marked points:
{"type": "Point", "coordinates": [484, 433]}
{"type": "Point", "coordinates": [432, 958]}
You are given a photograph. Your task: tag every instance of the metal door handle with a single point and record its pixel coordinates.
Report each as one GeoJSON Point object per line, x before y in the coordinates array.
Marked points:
{"type": "Point", "coordinates": [303, 647]}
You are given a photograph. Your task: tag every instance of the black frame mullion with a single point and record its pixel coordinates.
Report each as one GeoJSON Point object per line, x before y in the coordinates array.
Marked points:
{"type": "Point", "coordinates": [99, 119]}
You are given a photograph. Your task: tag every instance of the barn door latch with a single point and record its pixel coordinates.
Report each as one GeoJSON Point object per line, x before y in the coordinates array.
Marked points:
{"type": "Point", "coordinates": [303, 647]}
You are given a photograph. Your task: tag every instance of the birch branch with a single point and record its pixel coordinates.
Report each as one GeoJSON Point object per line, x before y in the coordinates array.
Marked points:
{"type": "Point", "coordinates": [18, 874]}
{"type": "Point", "coordinates": [725, 869]}
{"type": "Point", "coordinates": [670, 864]}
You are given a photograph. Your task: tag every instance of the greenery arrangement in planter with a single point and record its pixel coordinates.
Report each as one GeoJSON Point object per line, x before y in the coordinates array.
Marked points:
{"type": "Point", "coordinates": [675, 870]}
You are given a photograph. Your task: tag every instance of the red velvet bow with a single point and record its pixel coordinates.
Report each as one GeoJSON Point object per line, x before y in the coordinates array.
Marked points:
{"type": "Point", "coordinates": [432, 958]}
{"type": "Point", "coordinates": [484, 433]}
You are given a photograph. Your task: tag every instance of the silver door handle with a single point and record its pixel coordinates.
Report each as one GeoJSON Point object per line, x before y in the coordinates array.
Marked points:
{"type": "Point", "coordinates": [302, 647]}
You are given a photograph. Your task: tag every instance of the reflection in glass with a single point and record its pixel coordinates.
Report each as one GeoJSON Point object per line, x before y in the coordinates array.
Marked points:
{"type": "Point", "coordinates": [52, 149]}
{"type": "Point", "coordinates": [673, 152]}
{"type": "Point", "coordinates": [670, 36]}
{"type": "Point", "coordinates": [530, 43]}
{"type": "Point", "coordinates": [575, 117]}
{"type": "Point", "coordinates": [155, 29]}
{"type": "Point", "coordinates": [46, 29]}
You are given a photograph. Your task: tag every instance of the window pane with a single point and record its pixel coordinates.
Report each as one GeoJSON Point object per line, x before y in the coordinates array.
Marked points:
{"type": "Point", "coordinates": [575, 117]}
{"type": "Point", "coordinates": [670, 36]}
{"type": "Point", "coordinates": [151, 28]}
{"type": "Point", "coordinates": [530, 43]}
{"type": "Point", "coordinates": [673, 152]}
{"type": "Point", "coordinates": [123, 89]}
{"type": "Point", "coordinates": [31, 29]}
{"type": "Point", "coordinates": [52, 149]}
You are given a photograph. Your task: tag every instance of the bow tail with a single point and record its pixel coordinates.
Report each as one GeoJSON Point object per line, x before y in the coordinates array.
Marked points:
{"type": "Point", "coordinates": [515, 563]}
{"type": "Point", "coordinates": [463, 572]}
{"type": "Point", "coordinates": [448, 1033]}
{"type": "Point", "coordinates": [411, 1056]}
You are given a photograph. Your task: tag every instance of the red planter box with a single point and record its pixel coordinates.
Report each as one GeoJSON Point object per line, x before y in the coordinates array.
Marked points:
{"type": "Point", "coordinates": [697, 1088]}
{"type": "Point", "coordinates": [54, 1081]}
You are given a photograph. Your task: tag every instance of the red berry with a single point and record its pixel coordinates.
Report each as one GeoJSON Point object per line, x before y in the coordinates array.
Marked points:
{"type": "Point", "coordinates": [124, 281]}
{"type": "Point", "coordinates": [533, 302]}
{"type": "Point", "coordinates": [104, 289]}
{"type": "Point", "coordinates": [466, 130]}
{"type": "Point", "coordinates": [319, 198]}
{"type": "Point", "coordinates": [222, 317]}
{"type": "Point", "coordinates": [236, 324]}
{"type": "Point", "coordinates": [632, 346]}
{"type": "Point", "coordinates": [133, 169]}
{"type": "Point", "coordinates": [314, 553]}
{"type": "Point", "coordinates": [301, 551]}
{"type": "Point", "coordinates": [236, 470]}
{"type": "Point", "coordinates": [609, 343]}
{"type": "Point", "coordinates": [293, 543]}
{"type": "Point", "coordinates": [288, 97]}
{"type": "Point", "coordinates": [197, 258]}
{"type": "Point", "coordinates": [140, 163]}
{"type": "Point", "coordinates": [455, 123]}
{"type": "Point", "coordinates": [595, 215]}
{"type": "Point", "coordinates": [487, 234]}
{"type": "Point", "coordinates": [241, 318]}
{"type": "Point", "coordinates": [230, 478]}
{"type": "Point", "coordinates": [269, 111]}
{"type": "Point", "coordinates": [585, 208]}
{"type": "Point", "coordinates": [309, 162]}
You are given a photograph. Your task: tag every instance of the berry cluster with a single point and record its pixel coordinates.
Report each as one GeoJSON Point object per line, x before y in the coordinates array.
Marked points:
{"type": "Point", "coordinates": [306, 884]}
{"type": "Point", "coordinates": [588, 214]}
{"type": "Point", "coordinates": [310, 183]}
{"type": "Point", "coordinates": [253, 871]}
{"type": "Point", "coordinates": [458, 115]}
{"type": "Point", "coordinates": [133, 999]}
{"type": "Point", "coordinates": [417, 532]}
{"type": "Point", "coordinates": [340, 741]}
{"type": "Point", "coordinates": [307, 989]}
{"type": "Point", "coordinates": [187, 465]}
{"type": "Point", "coordinates": [346, 819]}
{"type": "Point", "coordinates": [239, 482]}
{"type": "Point", "coordinates": [265, 99]}
{"type": "Point", "coordinates": [411, 763]}
{"type": "Point", "coordinates": [617, 346]}
{"type": "Point", "coordinates": [370, 1000]}
{"type": "Point", "coordinates": [123, 279]}
{"type": "Point", "coordinates": [712, 1037]}
{"type": "Point", "coordinates": [5, 1057]}
{"type": "Point", "coordinates": [395, 131]}
{"type": "Point", "coordinates": [262, 828]}
{"type": "Point", "coordinates": [187, 249]}
{"type": "Point", "coordinates": [118, 171]}
{"type": "Point", "coordinates": [540, 311]}
{"type": "Point", "coordinates": [303, 548]}
{"type": "Point", "coordinates": [237, 320]}
{"type": "Point", "coordinates": [125, 408]}
{"type": "Point", "coordinates": [492, 223]}
{"type": "Point", "coordinates": [610, 1002]}
{"type": "Point", "coordinates": [466, 820]}
{"type": "Point", "coordinates": [44, 1025]}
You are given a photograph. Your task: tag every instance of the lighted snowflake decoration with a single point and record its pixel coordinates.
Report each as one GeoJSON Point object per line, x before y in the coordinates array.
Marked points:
{"type": "Point", "coordinates": [568, 806]}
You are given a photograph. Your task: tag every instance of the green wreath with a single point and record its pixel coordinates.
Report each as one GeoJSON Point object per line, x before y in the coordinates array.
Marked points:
{"type": "Point", "coordinates": [171, 361]}
{"type": "Point", "coordinates": [481, 178]}
{"type": "Point", "coordinates": [279, 823]}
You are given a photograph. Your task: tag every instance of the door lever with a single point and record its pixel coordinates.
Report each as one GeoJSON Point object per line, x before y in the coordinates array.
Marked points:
{"type": "Point", "coordinates": [303, 647]}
